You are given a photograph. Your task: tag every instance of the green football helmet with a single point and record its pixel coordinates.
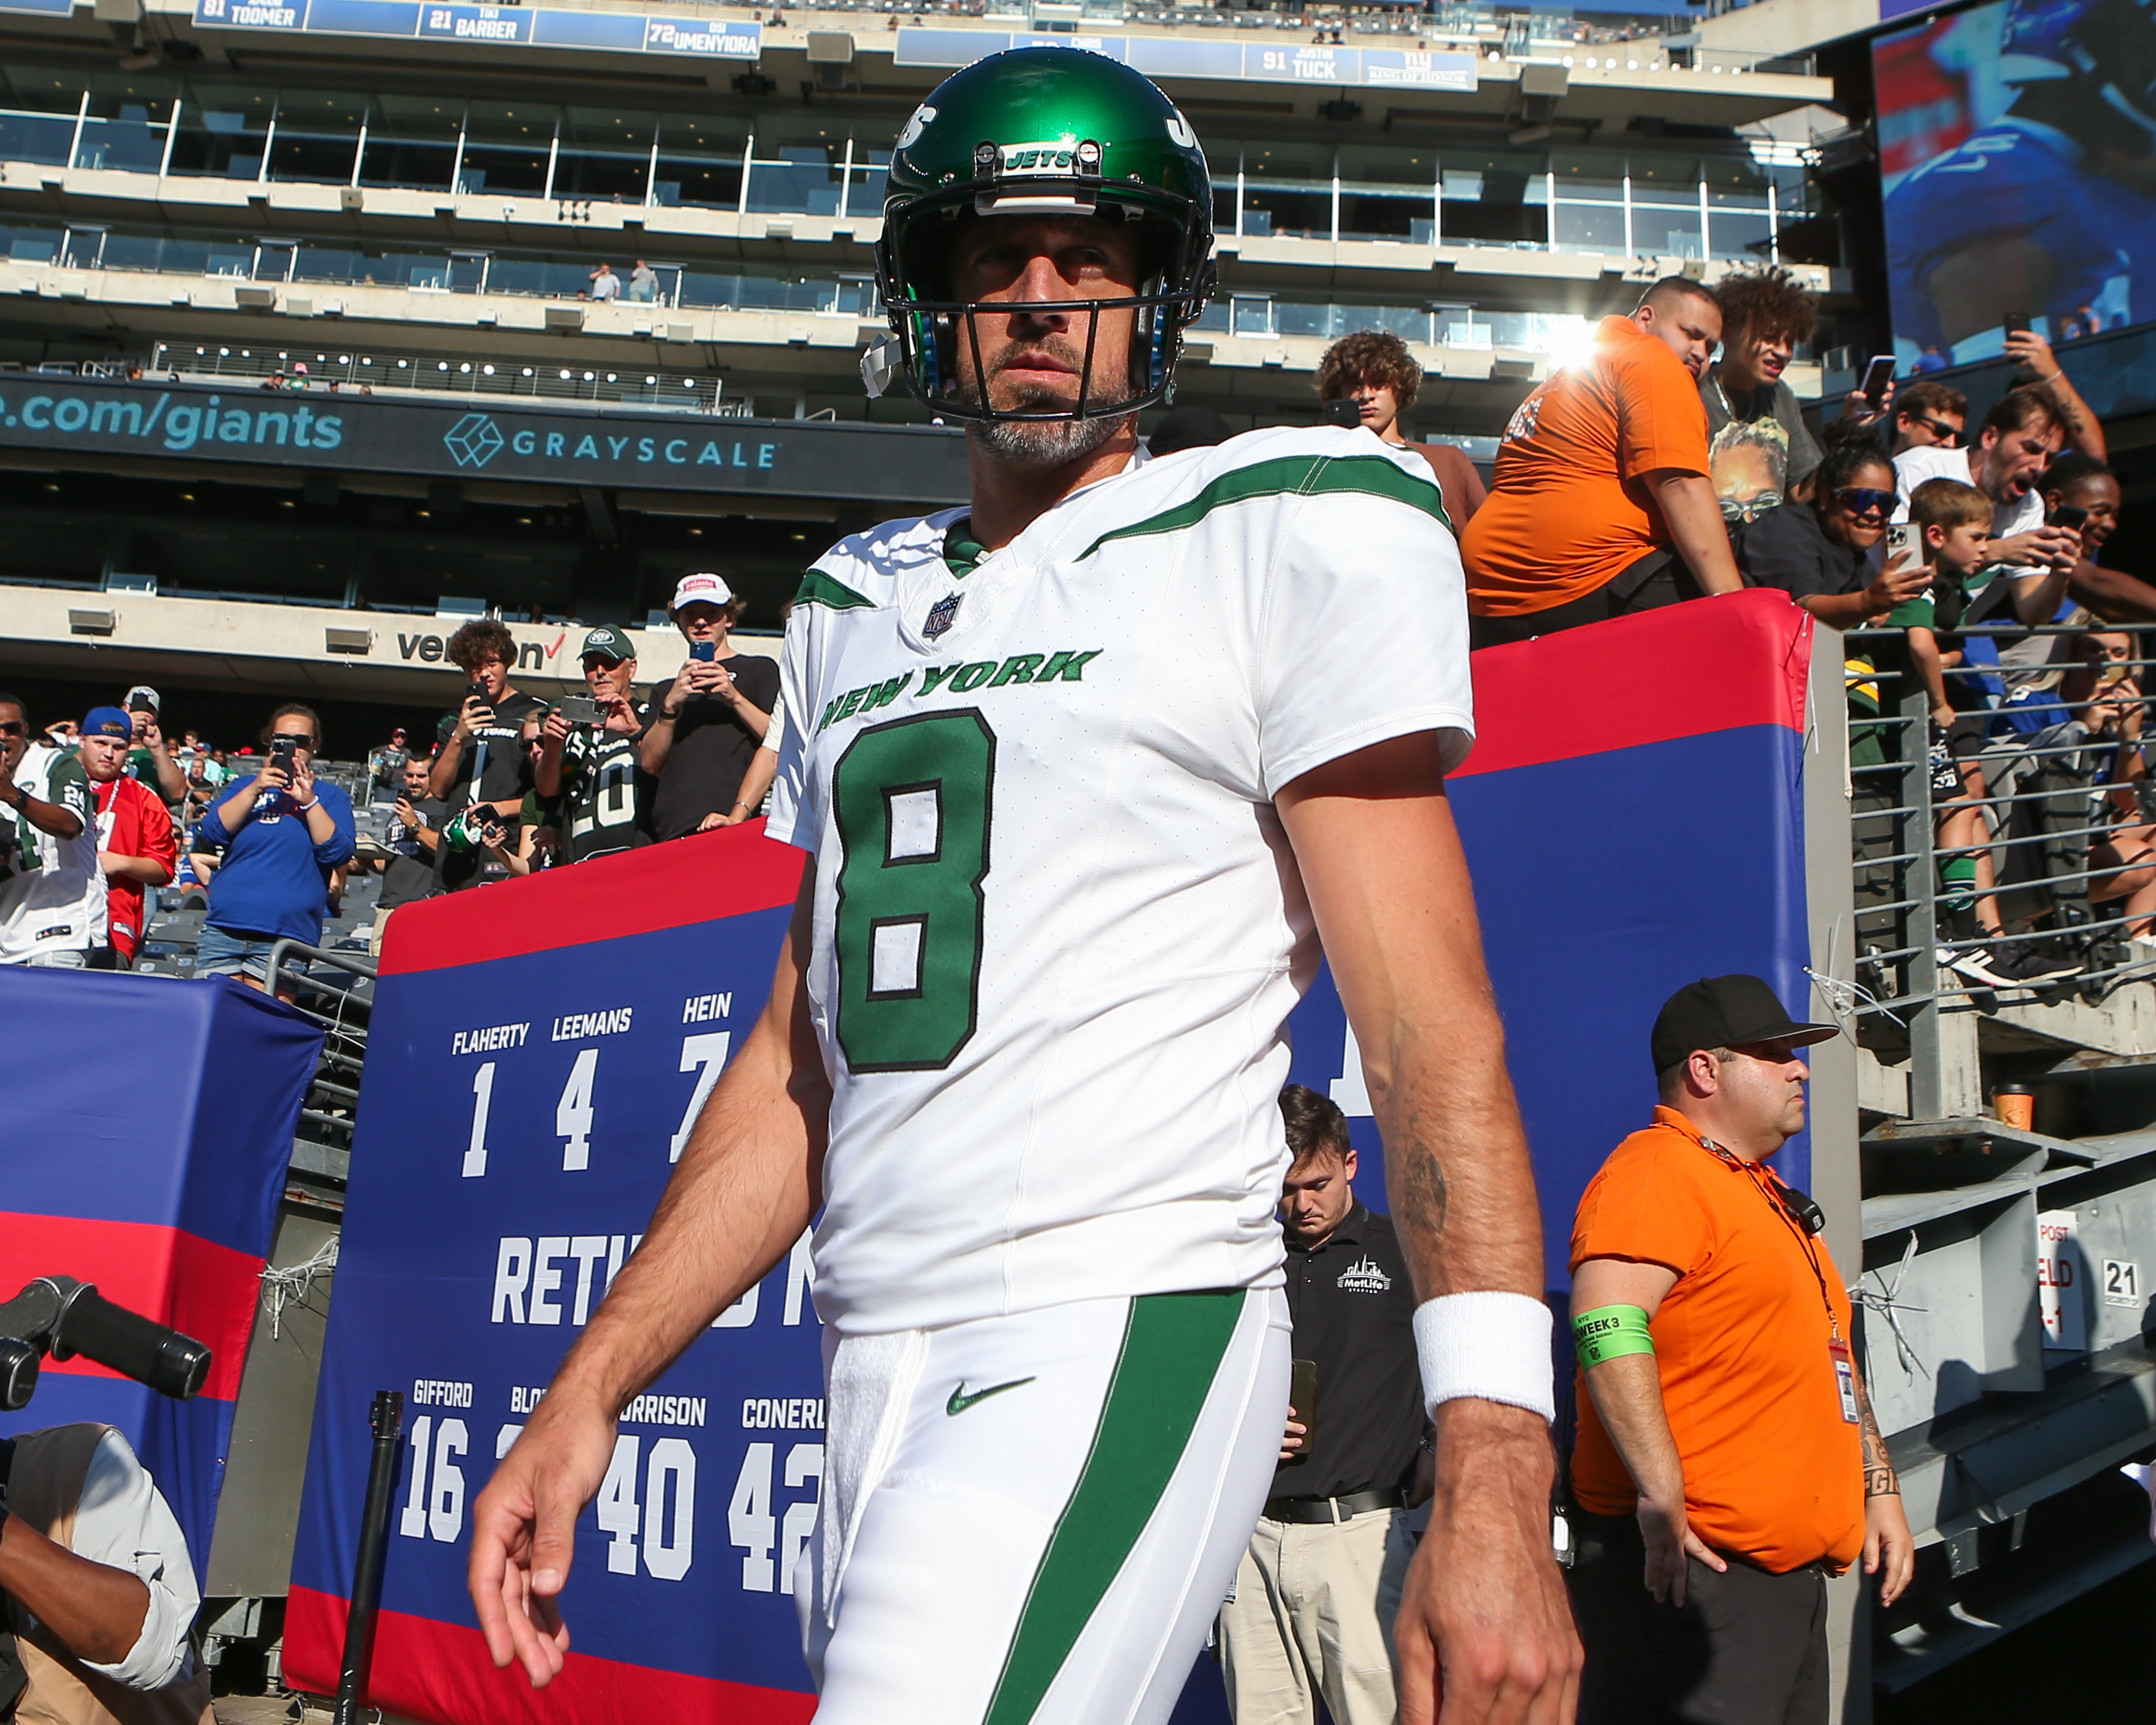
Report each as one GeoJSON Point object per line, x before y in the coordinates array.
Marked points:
{"type": "Point", "coordinates": [1044, 131]}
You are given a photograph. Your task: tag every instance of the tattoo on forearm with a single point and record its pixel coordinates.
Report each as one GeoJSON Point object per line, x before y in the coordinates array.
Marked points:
{"type": "Point", "coordinates": [1422, 1197]}
{"type": "Point", "coordinates": [1879, 1479]}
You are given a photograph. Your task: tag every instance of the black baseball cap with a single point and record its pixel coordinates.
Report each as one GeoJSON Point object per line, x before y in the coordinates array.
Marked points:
{"type": "Point", "coordinates": [1722, 1012]}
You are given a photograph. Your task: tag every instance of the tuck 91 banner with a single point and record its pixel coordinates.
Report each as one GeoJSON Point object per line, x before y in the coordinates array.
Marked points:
{"type": "Point", "coordinates": [2017, 153]}
{"type": "Point", "coordinates": [540, 1048]}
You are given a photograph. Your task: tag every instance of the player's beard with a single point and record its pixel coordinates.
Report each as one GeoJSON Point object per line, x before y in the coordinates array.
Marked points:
{"type": "Point", "coordinates": [1044, 443]}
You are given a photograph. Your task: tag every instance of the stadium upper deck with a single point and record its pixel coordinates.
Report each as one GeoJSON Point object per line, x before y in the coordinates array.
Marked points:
{"type": "Point", "coordinates": [405, 197]}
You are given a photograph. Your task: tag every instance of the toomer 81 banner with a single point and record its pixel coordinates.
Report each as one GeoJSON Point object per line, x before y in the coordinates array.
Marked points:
{"type": "Point", "coordinates": [1632, 814]}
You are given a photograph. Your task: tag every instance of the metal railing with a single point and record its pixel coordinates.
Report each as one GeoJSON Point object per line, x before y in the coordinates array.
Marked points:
{"type": "Point", "coordinates": [322, 1141]}
{"type": "Point", "coordinates": [2046, 795]}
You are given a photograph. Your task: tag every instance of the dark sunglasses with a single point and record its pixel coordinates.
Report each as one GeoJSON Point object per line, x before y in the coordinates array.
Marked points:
{"type": "Point", "coordinates": [1948, 435]}
{"type": "Point", "coordinates": [1862, 500]}
{"type": "Point", "coordinates": [298, 740]}
{"type": "Point", "coordinates": [12, 728]}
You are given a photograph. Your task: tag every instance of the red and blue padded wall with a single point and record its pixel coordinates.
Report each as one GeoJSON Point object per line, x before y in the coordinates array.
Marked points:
{"type": "Point", "coordinates": [150, 1125]}
{"type": "Point", "coordinates": [1632, 816]}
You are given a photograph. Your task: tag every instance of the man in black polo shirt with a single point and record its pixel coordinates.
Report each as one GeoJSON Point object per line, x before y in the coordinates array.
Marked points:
{"type": "Point", "coordinates": [1318, 1590]}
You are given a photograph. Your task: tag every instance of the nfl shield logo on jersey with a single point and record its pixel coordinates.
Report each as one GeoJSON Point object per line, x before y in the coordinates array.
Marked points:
{"type": "Point", "coordinates": [942, 615]}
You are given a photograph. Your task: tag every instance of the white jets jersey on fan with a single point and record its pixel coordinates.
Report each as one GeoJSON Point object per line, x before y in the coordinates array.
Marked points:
{"type": "Point", "coordinates": [1058, 927]}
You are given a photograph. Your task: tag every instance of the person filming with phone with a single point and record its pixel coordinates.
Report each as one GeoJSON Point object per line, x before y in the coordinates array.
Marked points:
{"type": "Point", "coordinates": [1319, 1586]}
{"type": "Point", "coordinates": [587, 755]}
{"type": "Point", "coordinates": [1819, 552]}
{"type": "Point", "coordinates": [707, 723]}
{"type": "Point", "coordinates": [479, 755]}
{"type": "Point", "coordinates": [285, 833]}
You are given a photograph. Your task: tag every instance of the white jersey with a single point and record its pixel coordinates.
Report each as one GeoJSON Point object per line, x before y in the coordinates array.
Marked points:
{"type": "Point", "coordinates": [1058, 928]}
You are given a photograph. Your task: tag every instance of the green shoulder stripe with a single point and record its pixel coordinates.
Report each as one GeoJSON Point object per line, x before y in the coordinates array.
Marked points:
{"type": "Point", "coordinates": [817, 588]}
{"type": "Point", "coordinates": [1304, 476]}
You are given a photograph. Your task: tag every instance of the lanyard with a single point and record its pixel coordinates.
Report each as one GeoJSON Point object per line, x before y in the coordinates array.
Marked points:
{"type": "Point", "coordinates": [1804, 1241]}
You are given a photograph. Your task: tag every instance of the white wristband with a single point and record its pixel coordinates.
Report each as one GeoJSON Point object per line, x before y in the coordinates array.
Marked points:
{"type": "Point", "coordinates": [1494, 1348]}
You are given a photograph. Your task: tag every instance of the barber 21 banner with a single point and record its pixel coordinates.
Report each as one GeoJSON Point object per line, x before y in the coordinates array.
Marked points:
{"type": "Point", "coordinates": [540, 1050]}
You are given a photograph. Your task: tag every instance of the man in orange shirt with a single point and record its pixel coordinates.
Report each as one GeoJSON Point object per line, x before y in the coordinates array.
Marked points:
{"type": "Point", "coordinates": [1602, 503]}
{"type": "Point", "coordinates": [1727, 1461]}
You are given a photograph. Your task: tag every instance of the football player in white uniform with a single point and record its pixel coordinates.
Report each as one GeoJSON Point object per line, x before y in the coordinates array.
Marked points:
{"type": "Point", "coordinates": [1084, 772]}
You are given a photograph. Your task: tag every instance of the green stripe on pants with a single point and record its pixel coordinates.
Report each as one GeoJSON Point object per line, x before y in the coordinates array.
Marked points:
{"type": "Point", "coordinates": [1172, 1346]}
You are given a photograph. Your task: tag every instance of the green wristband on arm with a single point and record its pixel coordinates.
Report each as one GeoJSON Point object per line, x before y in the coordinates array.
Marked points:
{"type": "Point", "coordinates": [1610, 1332]}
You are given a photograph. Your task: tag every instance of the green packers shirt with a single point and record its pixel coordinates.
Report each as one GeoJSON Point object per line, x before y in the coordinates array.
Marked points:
{"type": "Point", "coordinates": [1058, 928]}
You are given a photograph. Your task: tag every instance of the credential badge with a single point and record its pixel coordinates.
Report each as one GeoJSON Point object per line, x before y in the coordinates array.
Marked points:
{"type": "Point", "coordinates": [942, 615]}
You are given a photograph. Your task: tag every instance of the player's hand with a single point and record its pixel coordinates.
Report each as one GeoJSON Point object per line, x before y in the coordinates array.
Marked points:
{"type": "Point", "coordinates": [712, 822]}
{"type": "Point", "coordinates": [1484, 1629]}
{"type": "Point", "coordinates": [524, 1532]}
{"type": "Point", "coordinates": [1890, 1550]}
{"type": "Point", "coordinates": [1671, 1542]}
{"type": "Point", "coordinates": [1292, 1440]}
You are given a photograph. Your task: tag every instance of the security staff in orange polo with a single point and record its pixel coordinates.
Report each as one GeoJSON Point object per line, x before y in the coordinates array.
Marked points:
{"type": "Point", "coordinates": [1727, 1461]}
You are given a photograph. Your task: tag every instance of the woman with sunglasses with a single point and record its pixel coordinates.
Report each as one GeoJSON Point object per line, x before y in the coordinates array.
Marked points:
{"type": "Point", "coordinates": [1819, 552]}
{"type": "Point", "coordinates": [285, 832]}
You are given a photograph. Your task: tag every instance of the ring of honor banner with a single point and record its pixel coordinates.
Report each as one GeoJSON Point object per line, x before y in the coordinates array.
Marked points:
{"type": "Point", "coordinates": [539, 1050]}
{"type": "Point", "coordinates": [150, 1125]}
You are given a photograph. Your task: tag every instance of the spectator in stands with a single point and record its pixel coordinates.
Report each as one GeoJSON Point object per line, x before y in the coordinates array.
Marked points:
{"type": "Point", "coordinates": [605, 793]}
{"type": "Point", "coordinates": [2104, 691]}
{"type": "Point", "coordinates": [1602, 503]}
{"type": "Point", "coordinates": [53, 904]}
{"type": "Point", "coordinates": [95, 1576]}
{"type": "Point", "coordinates": [706, 723]}
{"type": "Point", "coordinates": [480, 755]}
{"type": "Point", "coordinates": [409, 837]}
{"type": "Point", "coordinates": [605, 284]}
{"type": "Point", "coordinates": [1319, 1585]}
{"type": "Point", "coordinates": [2075, 481]}
{"type": "Point", "coordinates": [1758, 448]}
{"type": "Point", "coordinates": [285, 833]}
{"type": "Point", "coordinates": [385, 765]}
{"type": "Point", "coordinates": [1713, 1331]}
{"type": "Point", "coordinates": [1819, 552]}
{"type": "Point", "coordinates": [2082, 430]}
{"type": "Point", "coordinates": [643, 282]}
{"type": "Point", "coordinates": [150, 759]}
{"type": "Point", "coordinates": [1930, 360]}
{"type": "Point", "coordinates": [2020, 434]}
{"type": "Point", "coordinates": [136, 847]}
{"type": "Point", "coordinates": [1373, 369]}
{"type": "Point", "coordinates": [1928, 415]}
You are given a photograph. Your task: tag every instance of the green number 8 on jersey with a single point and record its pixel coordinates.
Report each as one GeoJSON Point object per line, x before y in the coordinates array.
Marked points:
{"type": "Point", "coordinates": [910, 800]}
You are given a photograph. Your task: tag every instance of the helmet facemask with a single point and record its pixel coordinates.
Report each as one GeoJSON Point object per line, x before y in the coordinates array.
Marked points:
{"type": "Point", "coordinates": [942, 356]}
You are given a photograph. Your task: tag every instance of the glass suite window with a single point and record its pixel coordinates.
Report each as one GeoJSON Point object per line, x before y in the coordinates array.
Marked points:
{"type": "Point", "coordinates": [507, 148]}
{"type": "Point", "coordinates": [1589, 214]}
{"type": "Point", "coordinates": [317, 138]}
{"type": "Point", "coordinates": [1495, 197]}
{"type": "Point", "coordinates": [700, 161]}
{"type": "Point", "coordinates": [126, 124]}
{"type": "Point", "coordinates": [604, 155]}
{"type": "Point", "coordinates": [1388, 193]}
{"type": "Point", "coordinates": [1665, 214]}
{"type": "Point", "coordinates": [224, 130]}
{"type": "Point", "coordinates": [1287, 189]}
{"type": "Point", "coordinates": [36, 116]}
{"type": "Point", "coordinates": [410, 143]}
{"type": "Point", "coordinates": [799, 166]}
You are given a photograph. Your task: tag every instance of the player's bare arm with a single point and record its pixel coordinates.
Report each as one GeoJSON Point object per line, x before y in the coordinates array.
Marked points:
{"type": "Point", "coordinates": [1485, 1629]}
{"type": "Point", "coordinates": [748, 1182]}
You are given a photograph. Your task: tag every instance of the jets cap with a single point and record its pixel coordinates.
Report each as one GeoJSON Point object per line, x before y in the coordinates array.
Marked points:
{"type": "Point", "coordinates": [610, 644]}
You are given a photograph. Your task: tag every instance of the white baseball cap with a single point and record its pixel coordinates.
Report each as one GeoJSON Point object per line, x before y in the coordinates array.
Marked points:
{"type": "Point", "coordinates": [708, 589]}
